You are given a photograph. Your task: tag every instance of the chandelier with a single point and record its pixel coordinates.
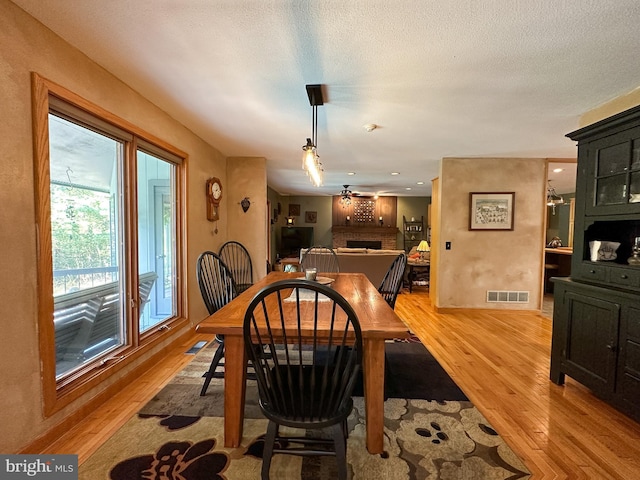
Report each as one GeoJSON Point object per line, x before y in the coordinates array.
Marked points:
{"type": "Point", "coordinates": [310, 158]}
{"type": "Point", "coordinates": [345, 196]}
{"type": "Point", "coordinates": [553, 198]}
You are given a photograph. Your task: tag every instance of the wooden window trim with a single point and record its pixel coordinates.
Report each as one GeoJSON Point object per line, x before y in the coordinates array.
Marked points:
{"type": "Point", "coordinates": [57, 395]}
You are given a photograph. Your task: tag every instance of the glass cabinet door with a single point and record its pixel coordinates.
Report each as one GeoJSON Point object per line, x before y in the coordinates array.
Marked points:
{"type": "Point", "coordinates": [614, 186]}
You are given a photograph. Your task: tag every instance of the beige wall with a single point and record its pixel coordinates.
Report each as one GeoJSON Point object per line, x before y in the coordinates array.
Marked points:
{"type": "Point", "coordinates": [247, 177]}
{"type": "Point", "coordinates": [490, 260]}
{"type": "Point", "coordinates": [26, 46]}
{"type": "Point", "coordinates": [322, 206]}
{"type": "Point", "coordinates": [319, 204]}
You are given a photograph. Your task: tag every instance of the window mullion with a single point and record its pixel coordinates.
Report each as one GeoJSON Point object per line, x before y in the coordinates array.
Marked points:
{"type": "Point", "coordinates": [132, 307]}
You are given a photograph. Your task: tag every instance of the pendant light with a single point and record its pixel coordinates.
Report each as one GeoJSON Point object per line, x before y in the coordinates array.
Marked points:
{"type": "Point", "coordinates": [553, 198]}
{"type": "Point", "coordinates": [310, 158]}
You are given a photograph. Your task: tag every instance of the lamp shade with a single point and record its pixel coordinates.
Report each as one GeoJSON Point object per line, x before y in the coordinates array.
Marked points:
{"type": "Point", "coordinates": [423, 246]}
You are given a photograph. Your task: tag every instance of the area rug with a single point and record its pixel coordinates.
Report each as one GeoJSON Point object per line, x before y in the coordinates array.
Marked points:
{"type": "Point", "coordinates": [411, 373]}
{"type": "Point", "coordinates": [178, 435]}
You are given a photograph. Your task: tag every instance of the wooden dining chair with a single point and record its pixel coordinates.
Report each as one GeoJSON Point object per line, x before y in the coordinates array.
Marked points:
{"type": "Point", "coordinates": [237, 259]}
{"type": "Point", "coordinates": [218, 288]}
{"type": "Point", "coordinates": [392, 281]}
{"type": "Point", "coordinates": [323, 259]}
{"type": "Point", "coordinates": [303, 384]}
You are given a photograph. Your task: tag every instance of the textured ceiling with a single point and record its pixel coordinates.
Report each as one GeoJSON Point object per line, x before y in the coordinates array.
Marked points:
{"type": "Point", "coordinates": [470, 78]}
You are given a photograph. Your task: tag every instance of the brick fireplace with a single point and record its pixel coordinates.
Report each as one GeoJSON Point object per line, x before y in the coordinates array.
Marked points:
{"type": "Point", "coordinates": [385, 235]}
{"type": "Point", "coordinates": [365, 219]}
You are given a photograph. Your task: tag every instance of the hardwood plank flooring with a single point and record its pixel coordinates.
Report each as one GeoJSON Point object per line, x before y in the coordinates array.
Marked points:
{"type": "Point", "coordinates": [499, 359]}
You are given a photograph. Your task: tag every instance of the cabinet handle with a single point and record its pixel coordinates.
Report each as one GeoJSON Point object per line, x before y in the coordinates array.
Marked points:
{"type": "Point", "coordinates": [611, 347]}
{"type": "Point", "coordinates": [624, 277]}
{"type": "Point", "coordinates": [592, 271]}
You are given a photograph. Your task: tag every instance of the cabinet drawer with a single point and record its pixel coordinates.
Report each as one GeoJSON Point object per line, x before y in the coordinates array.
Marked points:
{"type": "Point", "coordinates": [625, 277]}
{"type": "Point", "coordinates": [591, 271]}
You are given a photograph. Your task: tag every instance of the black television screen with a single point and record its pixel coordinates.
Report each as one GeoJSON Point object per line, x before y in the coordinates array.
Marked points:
{"type": "Point", "coordinates": [292, 239]}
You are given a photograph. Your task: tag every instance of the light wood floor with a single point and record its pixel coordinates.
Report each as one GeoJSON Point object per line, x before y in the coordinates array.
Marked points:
{"type": "Point", "coordinates": [500, 360]}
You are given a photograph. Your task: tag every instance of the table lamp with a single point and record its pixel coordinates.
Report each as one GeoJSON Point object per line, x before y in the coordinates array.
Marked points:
{"type": "Point", "coordinates": [423, 246]}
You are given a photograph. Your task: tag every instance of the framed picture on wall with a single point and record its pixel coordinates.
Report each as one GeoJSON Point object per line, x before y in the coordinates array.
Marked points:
{"type": "Point", "coordinates": [311, 217]}
{"type": "Point", "coordinates": [491, 210]}
{"type": "Point", "coordinates": [294, 210]}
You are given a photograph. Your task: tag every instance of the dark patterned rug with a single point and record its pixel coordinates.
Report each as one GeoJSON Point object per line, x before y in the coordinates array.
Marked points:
{"type": "Point", "coordinates": [178, 435]}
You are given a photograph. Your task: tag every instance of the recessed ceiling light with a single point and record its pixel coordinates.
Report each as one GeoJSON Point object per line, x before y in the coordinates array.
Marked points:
{"type": "Point", "coordinates": [420, 183]}
{"type": "Point", "coordinates": [395, 173]}
{"type": "Point", "coordinates": [408, 188]}
{"type": "Point", "coordinates": [370, 127]}
{"type": "Point", "coordinates": [558, 170]}
{"type": "Point", "coordinates": [351, 173]}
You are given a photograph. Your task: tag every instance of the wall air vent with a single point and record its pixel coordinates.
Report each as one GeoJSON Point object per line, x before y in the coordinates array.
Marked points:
{"type": "Point", "coordinates": [505, 296]}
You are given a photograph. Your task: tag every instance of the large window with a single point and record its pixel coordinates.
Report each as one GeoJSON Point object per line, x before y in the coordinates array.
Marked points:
{"type": "Point", "coordinates": [109, 210]}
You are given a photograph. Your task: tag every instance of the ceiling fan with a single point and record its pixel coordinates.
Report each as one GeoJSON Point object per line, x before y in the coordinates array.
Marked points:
{"type": "Point", "coordinates": [346, 195]}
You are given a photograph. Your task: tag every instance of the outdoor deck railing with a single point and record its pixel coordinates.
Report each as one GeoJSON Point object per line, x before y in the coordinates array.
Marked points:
{"type": "Point", "coordinates": [87, 321]}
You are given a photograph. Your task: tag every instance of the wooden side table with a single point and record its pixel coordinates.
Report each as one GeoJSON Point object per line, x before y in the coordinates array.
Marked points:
{"type": "Point", "coordinates": [414, 269]}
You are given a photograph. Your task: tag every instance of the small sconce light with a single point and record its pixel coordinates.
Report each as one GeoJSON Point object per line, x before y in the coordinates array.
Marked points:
{"type": "Point", "coordinates": [245, 204]}
{"type": "Point", "coordinates": [289, 221]}
{"type": "Point", "coordinates": [348, 220]}
{"type": "Point", "coordinates": [381, 221]}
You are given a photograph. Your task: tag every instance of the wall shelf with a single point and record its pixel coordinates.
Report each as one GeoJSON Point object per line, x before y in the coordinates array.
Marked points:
{"type": "Point", "coordinates": [413, 232]}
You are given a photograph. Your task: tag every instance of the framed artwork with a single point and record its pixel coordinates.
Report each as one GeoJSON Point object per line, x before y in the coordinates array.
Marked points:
{"type": "Point", "coordinates": [310, 217]}
{"type": "Point", "coordinates": [294, 209]}
{"type": "Point", "coordinates": [491, 210]}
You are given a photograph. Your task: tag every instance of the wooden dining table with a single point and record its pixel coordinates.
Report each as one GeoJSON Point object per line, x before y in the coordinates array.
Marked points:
{"type": "Point", "coordinates": [378, 323]}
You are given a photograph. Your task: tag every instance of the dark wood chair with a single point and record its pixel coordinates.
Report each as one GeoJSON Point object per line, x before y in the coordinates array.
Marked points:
{"type": "Point", "coordinates": [323, 259]}
{"type": "Point", "coordinates": [303, 385]}
{"type": "Point", "coordinates": [236, 257]}
{"type": "Point", "coordinates": [392, 281]}
{"type": "Point", "coordinates": [218, 288]}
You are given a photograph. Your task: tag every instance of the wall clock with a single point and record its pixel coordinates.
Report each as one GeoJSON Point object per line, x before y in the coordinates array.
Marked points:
{"type": "Point", "coordinates": [214, 195]}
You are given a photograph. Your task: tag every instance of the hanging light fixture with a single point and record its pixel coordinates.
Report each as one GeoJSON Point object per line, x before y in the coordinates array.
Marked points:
{"type": "Point", "coordinates": [553, 198]}
{"type": "Point", "coordinates": [345, 196]}
{"type": "Point", "coordinates": [310, 158]}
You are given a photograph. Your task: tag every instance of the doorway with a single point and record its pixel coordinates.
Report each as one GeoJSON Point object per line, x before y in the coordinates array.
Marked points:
{"type": "Point", "coordinates": [560, 209]}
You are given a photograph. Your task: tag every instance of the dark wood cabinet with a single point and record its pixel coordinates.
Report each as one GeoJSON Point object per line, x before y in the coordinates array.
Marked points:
{"type": "Point", "coordinates": [585, 332]}
{"type": "Point", "coordinates": [596, 341]}
{"type": "Point", "coordinates": [596, 319]}
{"type": "Point", "coordinates": [608, 198]}
{"type": "Point", "coordinates": [628, 378]}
